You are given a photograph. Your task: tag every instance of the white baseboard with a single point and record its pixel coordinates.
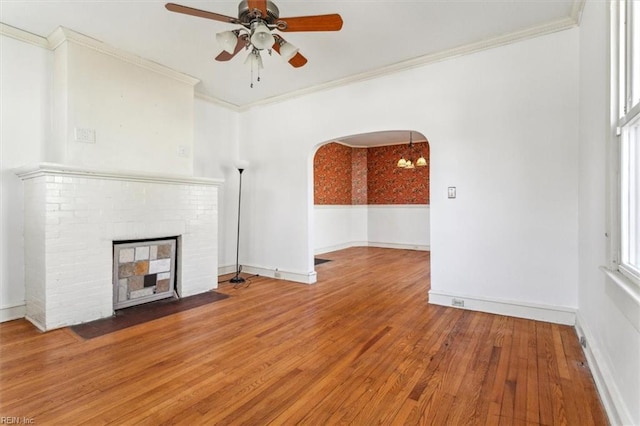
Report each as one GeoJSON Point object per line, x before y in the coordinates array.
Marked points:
{"type": "Point", "coordinates": [613, 403]}
{"type": "Point", "coordinates": [343, 246]}
{"type": "Point", "coordinates": [38, 324]}
{"type": "Point", "coordinates": [10, 313]}
{"type": "Point", "coordinates": [299, 277]}
{"type": "Point", "coordinates": [547, 313]}
{"type": "Point", "coordinates": [419, 247]}
{"type": "Point", "coordinates": [227, 269]}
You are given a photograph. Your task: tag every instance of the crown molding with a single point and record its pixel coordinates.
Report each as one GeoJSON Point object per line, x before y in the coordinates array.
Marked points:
{"type": "Point", "coordinates": [490, 43]}
{"type": "Point", "coordinates": [576, 11]}
{"type": "Point", "coordinates": [24, 36]}
{"type": "Point", "coordinates": [62, 35]}
{"type": "Point", "coordinates": [406, 142]}
{"type": "Point", "coordinates": [217, 101]}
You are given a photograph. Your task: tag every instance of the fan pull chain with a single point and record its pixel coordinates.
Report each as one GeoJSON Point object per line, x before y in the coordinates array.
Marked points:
{"type": "Point", "coordinates": [257, 79]}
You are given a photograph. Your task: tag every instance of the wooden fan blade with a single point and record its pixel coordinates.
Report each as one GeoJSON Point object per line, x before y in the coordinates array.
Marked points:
{"type": "Point", "coordinates": [226, 56]}
{"type": "Point", "coordinates": [261, 5]}
{"type": "Point", "coordinates": [200, 13]}
{"type": "Point", "coordinates": [332, 22]}
{"type": "Point", "coordinates": [297, 61]}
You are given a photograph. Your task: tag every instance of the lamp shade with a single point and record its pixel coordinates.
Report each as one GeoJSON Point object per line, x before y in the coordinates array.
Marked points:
{"type": "Point", "coordinates": [227, 40]}
{"type": "Point", "coordinates": [421, 162]}
{"type": "Point", "coordinates": [288, 50]}
{"type": "Point", "coordinates": [254, 60]}
{"type": "Point", "coordinates": [402, 162]}
{"type": "Point", "coordinates": [262, 37]}
{"type": "Point", "coordinates": [242, 164]}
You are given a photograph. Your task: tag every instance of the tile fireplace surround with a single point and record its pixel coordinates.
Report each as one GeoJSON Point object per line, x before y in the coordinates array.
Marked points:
{"type": "Point", "coordinates": [72, 216]}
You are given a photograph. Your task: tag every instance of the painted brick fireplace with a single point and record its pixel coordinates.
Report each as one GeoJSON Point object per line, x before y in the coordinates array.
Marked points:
{"type": "Point", "coordinates": [73, 216]}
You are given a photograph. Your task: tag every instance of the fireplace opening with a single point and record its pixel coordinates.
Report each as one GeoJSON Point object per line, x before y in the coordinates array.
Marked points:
{"type": "Point", "coordinates": [144, 270]}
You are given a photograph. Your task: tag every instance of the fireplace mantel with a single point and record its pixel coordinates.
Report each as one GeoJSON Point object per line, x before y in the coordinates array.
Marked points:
{"type": "Point", "coordinates": [55, 169]}
{"type": "Point", "coordinates": [73, 215]}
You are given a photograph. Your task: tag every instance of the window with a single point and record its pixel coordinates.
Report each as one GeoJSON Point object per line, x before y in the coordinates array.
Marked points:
{"type": "Point", "coordinates": [628, 114]}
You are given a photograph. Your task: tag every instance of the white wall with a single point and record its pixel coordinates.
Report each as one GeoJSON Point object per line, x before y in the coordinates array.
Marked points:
{"type": "Point", "coordinates": [140, 117]}
{"type": "Point", "coordinates": [502, 128]}
{"type": "Point", "coordinates": [338, 227]}
{"type": "Point", "coordinates": [608, 317]}
{"type": "Point", "coordinates": [401, 226]}
{"type": "Point", "coordinates": [25, 129]}
{"type": "Point", "coordinates": [394, 226]}
{"type": "Point", "coordinates": [214, 155]}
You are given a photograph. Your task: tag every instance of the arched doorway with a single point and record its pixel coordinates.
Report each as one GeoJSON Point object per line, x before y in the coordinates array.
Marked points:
{"type": "Point", "coordinates": [362, 198]}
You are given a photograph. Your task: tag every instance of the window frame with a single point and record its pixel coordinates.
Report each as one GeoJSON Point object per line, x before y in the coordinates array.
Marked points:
{"type": "Point", "coordinates": [625, 117]}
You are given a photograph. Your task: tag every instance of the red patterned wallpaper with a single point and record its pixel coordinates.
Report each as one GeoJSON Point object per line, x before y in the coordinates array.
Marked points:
{"type": "Point", "coordinates": [344, 175]}
{"type": "Point", "coordinates": [332, 174]}
{"type": "Point", "coordinates": [359, 171]}
{"type": "Point", "coordinates": [388, 184]}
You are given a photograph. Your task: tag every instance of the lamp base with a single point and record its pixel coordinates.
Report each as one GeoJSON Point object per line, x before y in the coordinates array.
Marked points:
{"type": "Point", "coordinates": [237, 279]}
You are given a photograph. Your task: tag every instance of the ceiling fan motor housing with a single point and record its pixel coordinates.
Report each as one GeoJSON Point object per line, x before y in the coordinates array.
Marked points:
{"type": "Point", "coordinates": [246, 16]}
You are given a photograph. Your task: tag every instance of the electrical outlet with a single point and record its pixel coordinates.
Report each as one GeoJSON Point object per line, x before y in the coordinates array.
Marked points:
{"type": "Point", "coordinates": [276, 274]}
{"type": "Point", "coordinates": [457, 302]}
{"type": "Point", "coordinates": [583, 341]}
{"type": "Point", "coordinates": [184, 151]}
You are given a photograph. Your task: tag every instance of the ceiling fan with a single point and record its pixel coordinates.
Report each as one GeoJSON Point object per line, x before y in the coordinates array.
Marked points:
{"type": "Point", "coordinates": [259, 18]}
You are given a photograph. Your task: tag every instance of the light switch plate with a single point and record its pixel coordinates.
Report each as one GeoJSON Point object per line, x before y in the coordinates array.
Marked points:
{"type": "Point", "coordinates": [85, 135]}
{"type": "Point", "coordinates": [451, 192]}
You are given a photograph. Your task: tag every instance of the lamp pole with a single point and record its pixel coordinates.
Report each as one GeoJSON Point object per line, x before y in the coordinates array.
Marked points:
{"type": "Point", "coordinates": [238, 279]}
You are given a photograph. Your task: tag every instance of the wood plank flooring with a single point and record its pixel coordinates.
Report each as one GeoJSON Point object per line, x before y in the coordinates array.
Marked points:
{"type": "Point", "coordinates": [362, 347]}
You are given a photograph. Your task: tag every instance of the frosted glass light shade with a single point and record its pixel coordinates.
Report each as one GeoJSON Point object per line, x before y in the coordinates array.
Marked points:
{"type": "Point", "coordinates": [402, 162]}
{"type": "Point", "coordinates": [288, 51]}
{"type": "Point", "coordinates": [262, 37]}
{"type": "Point", "coordinates": [227, 40]}
{"type": "Point", "coordinates": [254, 60]}
{"type": "Point", "coordinates": [421, 162]}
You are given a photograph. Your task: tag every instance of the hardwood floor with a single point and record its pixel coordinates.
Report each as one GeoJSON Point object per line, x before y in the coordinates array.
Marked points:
{"type": "Point", "coordinates": [362, 346]}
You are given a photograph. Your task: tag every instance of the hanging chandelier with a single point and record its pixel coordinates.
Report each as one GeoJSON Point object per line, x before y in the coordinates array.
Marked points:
{"type": "Point", "coordinates": [407, 163]}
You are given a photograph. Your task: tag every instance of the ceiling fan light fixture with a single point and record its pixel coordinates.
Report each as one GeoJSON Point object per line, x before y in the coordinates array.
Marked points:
{"type": "Point", "coordinates": [227, 40]}
{"type": "Point", "coordinates": [288, 50]}
{"type": "Point", "coordinates": [421, 162]}
{"type": "Point", "coordinates": [402, 163]}
{"type": "Point", "coordinates": [261, 37]}
{"type": "Point", "coordinates": [257, 19]}
{"type": "Point", "coordinates": [254, 60]}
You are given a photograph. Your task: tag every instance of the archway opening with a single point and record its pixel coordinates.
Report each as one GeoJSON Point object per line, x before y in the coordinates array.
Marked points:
{"type": "Point", "coordinates": [362, 198]}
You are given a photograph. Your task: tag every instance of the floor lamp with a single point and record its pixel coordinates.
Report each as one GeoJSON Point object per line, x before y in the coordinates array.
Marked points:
{"type": "Point", "coordinates": [241, 166]}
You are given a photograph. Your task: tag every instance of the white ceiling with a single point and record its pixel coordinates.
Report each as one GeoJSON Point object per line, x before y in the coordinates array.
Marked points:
{"type": "Point", "coordinates": [377, 36]}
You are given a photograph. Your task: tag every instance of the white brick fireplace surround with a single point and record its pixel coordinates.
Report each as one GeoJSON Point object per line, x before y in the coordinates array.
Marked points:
{"type": "Point", "coordinates": [72, 216]}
